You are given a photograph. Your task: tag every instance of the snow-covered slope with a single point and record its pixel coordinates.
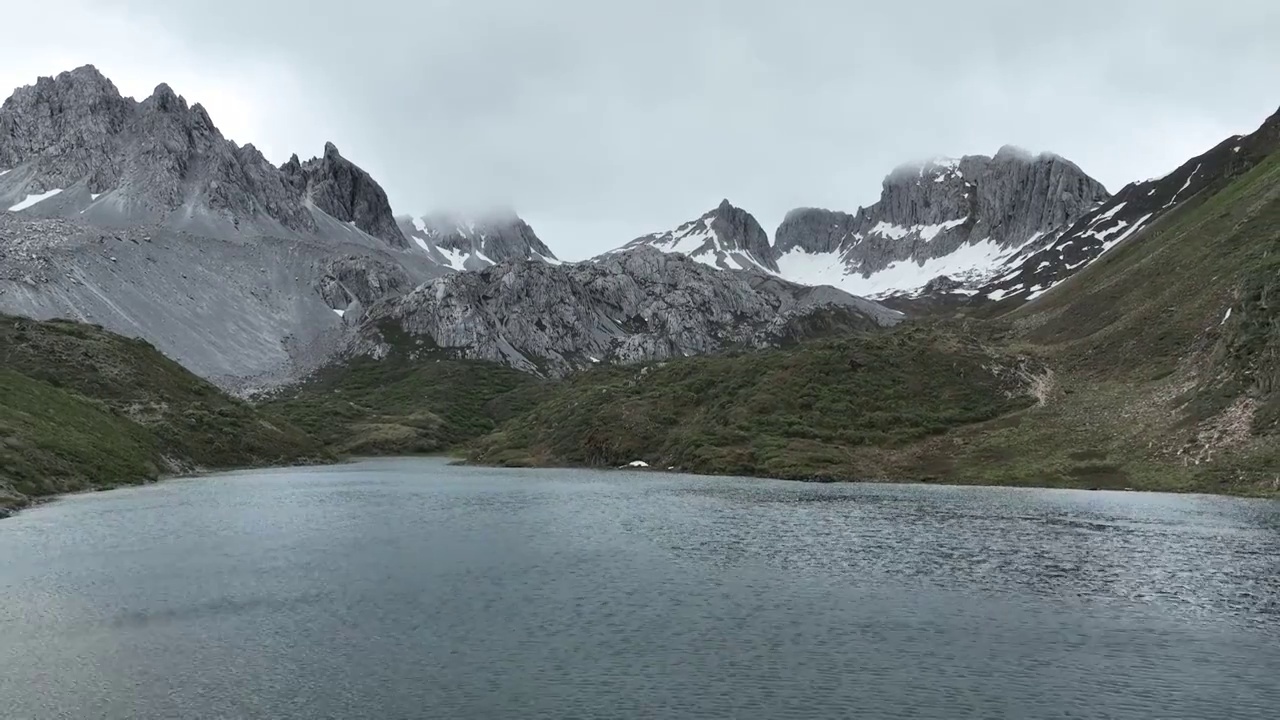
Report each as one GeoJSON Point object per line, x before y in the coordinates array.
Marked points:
{"type": "Point", "coordinates": [472, 243]}
{"type": "Point", "coordinates": [1136, 207]}
{"type": "Point", "coordinates": [944, 223]}
{"type": "Point", "coordinates": [727, 237]}
{"type": "Point", "coordinates": [949, 222]}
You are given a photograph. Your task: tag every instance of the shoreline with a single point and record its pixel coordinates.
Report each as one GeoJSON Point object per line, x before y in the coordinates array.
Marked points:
{"type": "Point", "coordinates": [10, 510]}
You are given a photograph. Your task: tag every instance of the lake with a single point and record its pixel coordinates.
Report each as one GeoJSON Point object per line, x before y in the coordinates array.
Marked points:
{"type": "Point", "coordinates": [407, 588]}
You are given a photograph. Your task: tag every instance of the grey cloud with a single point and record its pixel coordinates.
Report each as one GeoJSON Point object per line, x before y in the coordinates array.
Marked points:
{"type": "Point", "coordinates": [600, 121]}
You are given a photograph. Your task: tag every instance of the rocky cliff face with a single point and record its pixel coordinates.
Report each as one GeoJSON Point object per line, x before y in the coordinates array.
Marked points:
{"type": "Point", "coordinates": [472, 243]}
{"type": "Point", "coordinates": [71, 146]}
{"type": "Point", "coordinates": [962, 219]}
{"type": "Point", "coordinates": [142, 217]}
{"type": "Point", "coordinates": [639, 304]}
{"type": "Point", "coordinates": [727, 237]}
{"type": "Point", "coordinates": [347, 193]}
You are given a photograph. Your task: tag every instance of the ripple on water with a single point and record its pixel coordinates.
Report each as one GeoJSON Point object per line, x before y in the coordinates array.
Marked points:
{"type": "Point", "coordinates": [407, 588]}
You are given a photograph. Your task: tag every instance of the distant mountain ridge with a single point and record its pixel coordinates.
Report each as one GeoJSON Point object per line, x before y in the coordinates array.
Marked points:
{"type": "Point", "coordinates": [1135, 207]}
{"type": "Point", "coordinates": [631, 306]}
{"type": "Point", "coordinates": [961, 218]}
{"type": "Point", "coordinates": [72, 146]}
{"type": "Point", "coordinates": [477, 241]}
{"type": "Point", "coordinates": [727, 237]}
{"type": "Point", "coordinates": [142, 217]}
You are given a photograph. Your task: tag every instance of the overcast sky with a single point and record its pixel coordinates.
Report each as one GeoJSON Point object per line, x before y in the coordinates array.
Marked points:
{"type": "Point", "coordinates": [603, 120]}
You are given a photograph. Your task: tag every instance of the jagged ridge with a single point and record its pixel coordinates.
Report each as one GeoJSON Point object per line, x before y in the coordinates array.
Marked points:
{"type": "Point", "coordinates": [641, 304]}
{"type": "Point", "coordinates": [472, 243]}
{"type": "Point", "coordinates": [71, 145]}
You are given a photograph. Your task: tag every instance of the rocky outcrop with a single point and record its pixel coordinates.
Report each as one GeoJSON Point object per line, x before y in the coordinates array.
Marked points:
{"type": "Point", "coordinates": [635, 305]}
{"type": "Point", "coordinates": [344, 191]}
{"type": "Point", "coordinates": [360, 279]}
{"type": "Point", "coordinates": [726, 237]}
{"type": "Point", "coordinates": [72, 146]}
{"type": "Point", "coordinates": [472, 243]}
{"type": "Point", "coordinates": [142, 217]}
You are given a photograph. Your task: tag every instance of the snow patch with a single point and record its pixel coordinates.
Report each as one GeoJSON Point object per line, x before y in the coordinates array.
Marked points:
{"type": "Point", "coordinates": [893, 232]}
{"type": "Point", "coordinates": [4, 172]}
{"type": "Point", "coordinates": [33, 199]}
{"type": "Point", "coordinates": [421, 243]}
{"type": "Point", "coordinates": [1108, 214]}
{"type": "Point", "coordinates": [971, 262]}
{"type": "Point", "coordinates": [1226, 317]}
{"type": "Point", "coordinates": [1136, 227]}
{"type": "Point", "coordinates": [929, 232]}
{"type": "Point", "coordinates": [419, 225]}
{"type": "Point", "coordinates": [339, 313]}
{"type": "Point", "coordinates": [1185, 185]}
{"type": "Point", "coordinates": [1235, 149]}
{"type": "Point", "coordinates": [456, 259]}
{"type": "Point", "coordinates": [637, 464]}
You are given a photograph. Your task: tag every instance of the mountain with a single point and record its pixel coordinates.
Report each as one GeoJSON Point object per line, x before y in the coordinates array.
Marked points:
{"type": "Point", "coordinates": [1154, 366]}
{"type": "Point", "coordinates": [962, 219]}
{"type": "Point", "coordinates": [336, 186]}
{"type": "Point", "coordinates": [1137, 206]}
{"type": "Point", "coordinates": [728, 238]}
{"type": "Point", "coordinates": [636, 305]}
{"type": "Point", "coordinates": [84, 408]}
{"type": "Point", "coordinates": [471, 243]}
{"type": "Point", "coordinates": [141, 217]}
{"type": "Point", "coordinates": [71, 146]}
{"type": "Point", "coordinates": [953, 223]}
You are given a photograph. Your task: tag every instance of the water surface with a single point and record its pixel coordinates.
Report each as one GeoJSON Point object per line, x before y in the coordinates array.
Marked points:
{"type": "Point", "coordinates": [412, 589]}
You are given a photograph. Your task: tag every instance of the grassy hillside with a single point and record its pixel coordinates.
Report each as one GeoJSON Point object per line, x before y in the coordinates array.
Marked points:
{"type": "Point", "coordinates": [1132, 374]}
{"type": "Point", "coordinates": [408, 402]}
{"type": "Point", "coordinates": [81, 408]}
{"type": "Point", "coordinates": [810, 412]}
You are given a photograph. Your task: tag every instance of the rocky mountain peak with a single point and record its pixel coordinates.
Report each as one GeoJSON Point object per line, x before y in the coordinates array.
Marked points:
{"type": "Point", "coordinates": [343, 190]}
{"type": "Point", "coordinates": [71, 146]}
{"type": "Point", "coordinates": [164, 99]}
{"type": "Point", "coordinates": [557, 318]}
{"type": "Point", "coordinates": [471, 242]}
{"type": "Point", "coordinates": [727, 237]}
{"type": "Point", "coordinates": [955, 217]}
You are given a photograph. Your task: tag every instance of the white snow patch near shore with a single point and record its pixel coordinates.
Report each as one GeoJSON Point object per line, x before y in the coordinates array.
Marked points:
{"type": "Point", "coordinates": [33, 199]}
